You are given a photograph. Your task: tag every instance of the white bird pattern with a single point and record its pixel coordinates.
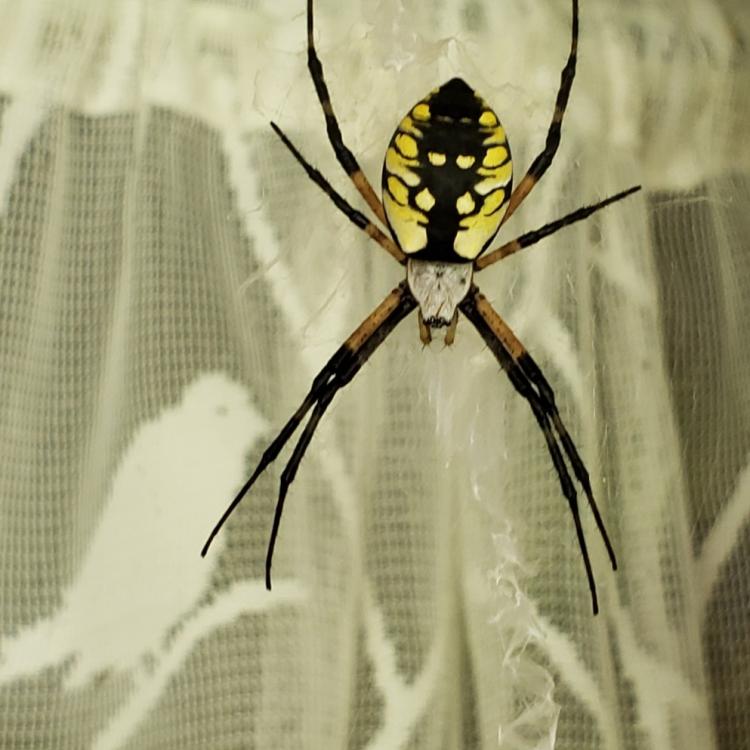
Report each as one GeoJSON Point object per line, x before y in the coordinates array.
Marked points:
{"type": "Point", "coordinates": [143, 574]}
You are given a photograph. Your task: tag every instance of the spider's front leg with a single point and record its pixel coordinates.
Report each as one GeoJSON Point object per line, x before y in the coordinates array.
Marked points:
{"type": "Point", "coordinates": [530, 382]}
{"type": "Point", "coordinates": [345, 157]}
{"type": "Point", "coordinates": [542, 162]}
{"type": "Point", "coordinates": [337, 372]}
{"type": "Point", "coordinates": [356, 217]}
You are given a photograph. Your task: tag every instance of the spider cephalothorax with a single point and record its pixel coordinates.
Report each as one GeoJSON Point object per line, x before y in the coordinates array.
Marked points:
{"type": "Point", "coordinates": [447, 189]}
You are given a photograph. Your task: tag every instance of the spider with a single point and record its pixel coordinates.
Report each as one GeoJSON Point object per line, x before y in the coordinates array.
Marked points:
{"type": "Point", "coordinates": [447, 189]}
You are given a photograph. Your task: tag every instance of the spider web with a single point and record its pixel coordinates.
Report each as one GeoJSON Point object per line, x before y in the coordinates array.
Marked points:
{"type": "Point", "coordinates": [172, 283]}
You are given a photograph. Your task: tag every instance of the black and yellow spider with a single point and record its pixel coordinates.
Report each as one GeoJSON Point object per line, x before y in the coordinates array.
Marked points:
{"type": "Point", "coordinates": [446, 185]}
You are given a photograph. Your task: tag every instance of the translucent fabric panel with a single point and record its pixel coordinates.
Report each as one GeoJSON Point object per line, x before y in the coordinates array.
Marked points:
{"type": "Point", "coordinates": [172, 282]}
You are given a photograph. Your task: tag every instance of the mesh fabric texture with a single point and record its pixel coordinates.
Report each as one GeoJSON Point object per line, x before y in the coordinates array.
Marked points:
{"type": "Point", "coordinates": [171, 282]}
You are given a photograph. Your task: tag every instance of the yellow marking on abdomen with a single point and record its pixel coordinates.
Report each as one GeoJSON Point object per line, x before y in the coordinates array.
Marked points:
{"type": "Point", "coordinates": [424, 199]}
{"type": "Point", "coordinates": [487, 119]}
{"type": "Point", "coordinates": [500, 178]}
{"type": "Point", "coordinates": [495, 156]}
{"type": "Point", "coordinates": [398, 190]}
{"type": "Point", "coordinates": [407, 125]}
{"type": "Point", "coordinates": [476, 232]}
{"type": "Point", "coordinates": [406, 145]}
{"type": "Point", "coordinates": [464, 162]}
{"type": "Point", "coordinates": [407, 225]}
{"type": "Point", "coordinates": [436, 159]}
{"type": "Point", "coordinates": [468, 243]}
{"type": "Point", "coordinates": [493, 202]}
{"type": "Point", "coordinates": [395, 164]}
{"type": "Point", "coordinates": [465, 204]}
{"type": "Point", "coordinates": [496, 138]}
{"type": "Point", "coordinates": [421, 112]}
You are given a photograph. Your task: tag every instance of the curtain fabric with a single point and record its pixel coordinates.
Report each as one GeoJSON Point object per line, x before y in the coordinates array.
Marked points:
{"type": "Point", "coordinates": [172, 282]}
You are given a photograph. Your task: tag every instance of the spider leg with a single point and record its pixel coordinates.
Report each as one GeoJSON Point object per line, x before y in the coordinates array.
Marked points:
{"type": "Point", "coordinates": [524, 374]}
{"type": "Point", "coordinates": [522, 386]}
{"type": "Point", "coordinates": [337, 372]}
{"type": "Point", "coordinates": [290, 471]}
{"type": "Point", "coordinates": [346, 158]}
{"type": "Point", "coordinates": [356, 217]}
{"type": "Point", "coordinates": [531, 238]}
{"type": "Point", "coordinates": [544, 159]}
{"type": "Point", "coordinates": [535, 375]}
{"type": "Point", "coordinates": [273, 450]}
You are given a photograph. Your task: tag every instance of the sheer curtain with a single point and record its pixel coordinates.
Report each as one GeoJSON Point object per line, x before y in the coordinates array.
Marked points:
{"type": "Point", "coordinates": [172, 282]}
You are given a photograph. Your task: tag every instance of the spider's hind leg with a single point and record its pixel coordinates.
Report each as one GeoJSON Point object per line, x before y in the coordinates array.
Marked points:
{"type": "Point", "coordinates": [536, 376]}
{"type": "Point", "coordinates": [529, 381]}
{"type": "Point", "coordinates": [337, 372]}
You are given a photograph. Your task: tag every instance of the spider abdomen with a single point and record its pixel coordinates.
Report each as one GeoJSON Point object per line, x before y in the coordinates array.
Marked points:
{"type": "Point", "coordinates": [447, 176]}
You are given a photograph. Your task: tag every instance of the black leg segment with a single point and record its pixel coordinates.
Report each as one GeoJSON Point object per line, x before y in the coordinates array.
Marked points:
{"type": "Point", "coordinates": [531, 238]}
{"type": "Point", "coordinates": [356, 217]}
{"type": "Point", "coordinates": [346, 158]}
{"type": "Point", "coordinates": [529, 381]}
{"type": "Point", "coordinates": [540, 165]}
{"type": "Point", "coordinates": [338, 371]}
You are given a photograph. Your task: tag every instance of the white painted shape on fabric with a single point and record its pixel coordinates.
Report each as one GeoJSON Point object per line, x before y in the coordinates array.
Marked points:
{"type": "Point", "coordinates": [563, 653]}
{"type": "Point", "coordinates": [245, 597]}
{"type": "Point", "coordinates": [143, 572]}
{"type": "Point", "coordinates": [722, 540]}
{"type": "Point", "coordinates": [404, 704]}
{"type": "Point", "coordinates": [21, 121]}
